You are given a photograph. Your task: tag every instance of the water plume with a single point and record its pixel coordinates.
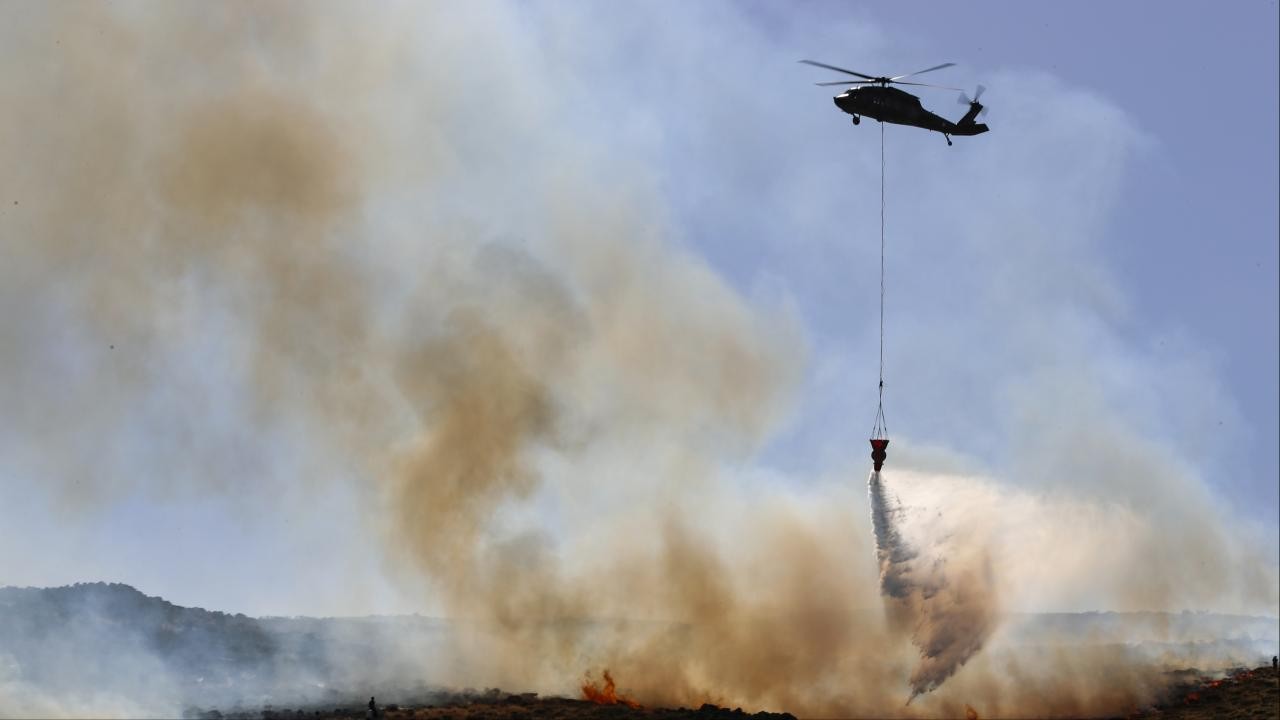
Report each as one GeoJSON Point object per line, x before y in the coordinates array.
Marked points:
{"type": "Point", "coordinates": [945, 601]}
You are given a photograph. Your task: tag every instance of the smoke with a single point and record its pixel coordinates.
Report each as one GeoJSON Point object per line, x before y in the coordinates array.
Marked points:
{"type": "Point", "coordinates": [946, 600]}
{"type": "Point", "coordinates": [265, 257]}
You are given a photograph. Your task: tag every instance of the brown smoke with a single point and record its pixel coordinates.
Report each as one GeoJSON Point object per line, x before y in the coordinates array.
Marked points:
{"type": "Point", "coordinates": [229, 224]}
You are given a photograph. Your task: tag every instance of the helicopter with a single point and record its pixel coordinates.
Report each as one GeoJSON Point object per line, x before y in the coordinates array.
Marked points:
{"type": "Point", "coordinates": [875, 99]}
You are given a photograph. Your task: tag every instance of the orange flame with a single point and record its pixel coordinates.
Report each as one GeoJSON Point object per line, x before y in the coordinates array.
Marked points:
{"type": "Point", "coordinates": [970, 713]}
{"type": "Point", "coordinates": [606, 694]}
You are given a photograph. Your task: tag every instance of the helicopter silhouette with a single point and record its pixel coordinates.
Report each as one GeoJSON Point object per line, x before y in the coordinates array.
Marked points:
{"type": "Point", "coordinates": [873, 97]}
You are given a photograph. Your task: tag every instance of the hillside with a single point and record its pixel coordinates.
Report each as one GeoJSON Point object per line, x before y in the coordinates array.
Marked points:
{"type": "Point", "coordinates": [88, 646]}
{"type": "Point", "coordinates": [97, 642]}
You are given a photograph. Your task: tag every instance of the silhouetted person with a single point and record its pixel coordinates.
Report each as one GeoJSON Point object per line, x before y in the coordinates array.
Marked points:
{"type": "Point", "coordinates": [373, 708]}
{"type": "Point", "coordinates": [1275, 661]}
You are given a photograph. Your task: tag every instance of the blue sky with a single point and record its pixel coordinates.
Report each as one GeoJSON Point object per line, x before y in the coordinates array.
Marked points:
{"type": "Point", "coordinates": [1082, 302]}
{"type": "Point", "coordinates": [1194, 235]}
{"type": "Point", "coordinates": [1188, 234]}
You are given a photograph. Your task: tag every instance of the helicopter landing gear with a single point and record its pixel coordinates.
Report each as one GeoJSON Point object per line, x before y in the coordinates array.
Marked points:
{"type": "Point", "coordinates": [856, 119]}
{"type": "Point", "coordinates": [948, 137]}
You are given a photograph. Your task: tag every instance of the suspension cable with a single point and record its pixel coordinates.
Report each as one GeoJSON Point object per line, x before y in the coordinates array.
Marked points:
{"type": "Point", "coordinates": [880, 429]}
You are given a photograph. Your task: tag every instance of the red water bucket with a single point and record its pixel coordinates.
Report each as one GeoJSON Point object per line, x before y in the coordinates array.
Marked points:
{"type": "Point", "coordinates": [878, 454]}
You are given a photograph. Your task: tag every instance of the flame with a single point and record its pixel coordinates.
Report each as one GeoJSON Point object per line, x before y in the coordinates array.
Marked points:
{"type": "Point", "coordinates": [970, 713]}
{"type": "Point", "coordinates": [606, 694]}
{"type": "Point", "coordinates": [1238, 677]}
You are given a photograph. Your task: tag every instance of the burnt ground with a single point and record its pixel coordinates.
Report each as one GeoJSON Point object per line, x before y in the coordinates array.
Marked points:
{"type": "Point", "coordinates": [1240, 695]}
{"type": "Point", "coordinates": [510, 707]}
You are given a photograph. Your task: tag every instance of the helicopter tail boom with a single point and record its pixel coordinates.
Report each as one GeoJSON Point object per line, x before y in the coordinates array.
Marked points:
{"type": "Point", "coordinates": [969, 128]}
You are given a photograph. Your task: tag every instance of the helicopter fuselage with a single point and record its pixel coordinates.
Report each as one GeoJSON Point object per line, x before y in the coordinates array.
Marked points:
{"type": "Point", "coordinates": [891, 105]}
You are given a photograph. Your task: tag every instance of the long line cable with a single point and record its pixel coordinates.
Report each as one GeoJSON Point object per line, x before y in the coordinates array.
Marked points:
{"type": "Point", "coordinates": [881, 429]}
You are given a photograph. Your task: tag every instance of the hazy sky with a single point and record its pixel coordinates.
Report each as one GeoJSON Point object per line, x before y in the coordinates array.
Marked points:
{"type": "Point", "coordinates": [1098, 273]}
{"type": "Point", "coordinates": [1192, 238]}
{"type": "Point", "coordinates": [1187, 234]}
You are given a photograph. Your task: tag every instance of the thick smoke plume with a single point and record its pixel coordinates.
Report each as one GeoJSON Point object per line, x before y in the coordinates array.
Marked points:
{"type": "Point", "coordinates": [946, 603]}
{"type": "Point", "coordinates": [265, 256]}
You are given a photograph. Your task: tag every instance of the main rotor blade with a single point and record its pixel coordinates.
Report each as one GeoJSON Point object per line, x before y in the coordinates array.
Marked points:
{"type": "Point", "coordinates": [935, 67]}
{"type": "Point", "coordinates": [848, 82]}
{"type": "Point", "coordinates": [944, 87]}
{"type": "Point", "coordinates": [837, 69]}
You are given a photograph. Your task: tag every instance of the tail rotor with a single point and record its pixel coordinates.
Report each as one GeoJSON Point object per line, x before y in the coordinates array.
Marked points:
{"type": "Point", "coordinates": [964, 99]}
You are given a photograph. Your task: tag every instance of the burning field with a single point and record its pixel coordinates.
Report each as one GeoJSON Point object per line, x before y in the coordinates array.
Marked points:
{"type": "Point", "coordinates": [283, 289]}
{"type": "Point", "coordinates": [497, 706]}
{"type": "Point", "coordinates": [1241, 695]}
